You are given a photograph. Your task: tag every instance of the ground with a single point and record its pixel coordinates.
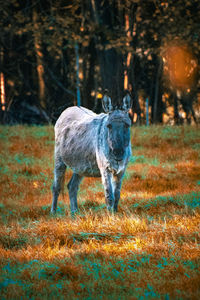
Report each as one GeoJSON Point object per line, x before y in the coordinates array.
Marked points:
{"type": "Point", "coordinates": [150, 249]}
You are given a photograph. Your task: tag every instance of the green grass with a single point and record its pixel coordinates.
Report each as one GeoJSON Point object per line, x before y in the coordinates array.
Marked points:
{"type": "Point", "coordinates": [150, 249]}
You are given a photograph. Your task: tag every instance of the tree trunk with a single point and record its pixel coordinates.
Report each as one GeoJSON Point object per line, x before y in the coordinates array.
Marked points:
{"type": "Point", "coordinates": [78, 94]}
{"type": "Point", "coordinates": [176, 113]}
{"type": "Point", "coordinates": [2, 82]}
{"type": "Point", "coordinates": [89, 77]}
{"type": "Point", "coordinates": [134, 76]}
{"type": "Point", "coordinates": [39, 59]}
{"type": "Point", "coordinates": [157, 87]}
{"type": "Point", "coordinates": [110, 62]}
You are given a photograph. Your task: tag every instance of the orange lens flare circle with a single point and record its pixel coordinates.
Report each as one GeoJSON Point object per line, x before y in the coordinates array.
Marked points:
{"type": "Point", "coordinates": [179, 66]}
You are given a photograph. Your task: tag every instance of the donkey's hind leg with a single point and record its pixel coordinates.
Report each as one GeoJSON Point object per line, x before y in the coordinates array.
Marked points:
{"type": "Point", "coordinates": [73, 186]}
{"type": "Point", "coordinates": [59, 173]}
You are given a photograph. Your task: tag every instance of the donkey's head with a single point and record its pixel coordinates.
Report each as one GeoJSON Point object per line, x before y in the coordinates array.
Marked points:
{"type": "Point", "coordinates": [118, 126]}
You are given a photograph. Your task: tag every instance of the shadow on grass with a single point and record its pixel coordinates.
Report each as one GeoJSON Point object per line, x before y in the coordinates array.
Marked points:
{"type": "Point", "coordinates": [167, 206]}
{"type": "Point", "coordinates": [9, 242]}
{"type": "Point", "coordinates": [21, 214]}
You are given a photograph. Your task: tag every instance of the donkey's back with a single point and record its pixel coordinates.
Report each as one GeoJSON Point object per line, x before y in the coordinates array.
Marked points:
{"type": "Point", "coordinates": [76, 137]}
{"type": "Point", "coordinates": [75, 114]}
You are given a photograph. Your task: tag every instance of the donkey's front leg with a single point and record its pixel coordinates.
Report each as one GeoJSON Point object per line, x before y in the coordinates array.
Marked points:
{"type": "Point", "coordinates": [117, 182]}
{"type": "Point", "coordinates": [108, 189]}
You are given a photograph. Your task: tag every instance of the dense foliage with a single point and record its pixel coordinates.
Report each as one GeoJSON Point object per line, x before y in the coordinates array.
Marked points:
{"type": "Point", "coordinates": [42, 43]}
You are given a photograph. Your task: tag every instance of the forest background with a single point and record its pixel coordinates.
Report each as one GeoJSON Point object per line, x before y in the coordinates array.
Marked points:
{"type": "Point", "coordinates": [54, 54]}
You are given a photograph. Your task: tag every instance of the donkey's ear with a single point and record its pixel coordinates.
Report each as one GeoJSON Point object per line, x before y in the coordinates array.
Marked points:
{"type": "Point", "coordinates": [126, 105]}
{"type": "Point", "coordinates": [107, 103]}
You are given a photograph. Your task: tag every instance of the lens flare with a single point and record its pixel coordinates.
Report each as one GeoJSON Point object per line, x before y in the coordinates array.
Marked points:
{"type": "Point", "coordinates": [179, 65]}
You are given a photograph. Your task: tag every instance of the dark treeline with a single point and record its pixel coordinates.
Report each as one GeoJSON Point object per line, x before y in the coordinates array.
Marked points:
{"type": "Point", "coordinates": [50, 50]}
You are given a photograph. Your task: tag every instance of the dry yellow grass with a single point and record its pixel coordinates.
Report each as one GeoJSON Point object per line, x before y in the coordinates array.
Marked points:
{"type": "Point", "coordinates": [149, 249]}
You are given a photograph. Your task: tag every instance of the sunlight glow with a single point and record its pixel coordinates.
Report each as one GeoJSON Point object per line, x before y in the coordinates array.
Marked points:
{"type": "Point", "coordinates": [179, 65]}
{"type": "Point", "coordinates": [3, 96]}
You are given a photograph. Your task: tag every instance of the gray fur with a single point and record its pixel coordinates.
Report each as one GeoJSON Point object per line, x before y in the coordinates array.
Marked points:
{"type": "Point", "coordinates": [85, 142]}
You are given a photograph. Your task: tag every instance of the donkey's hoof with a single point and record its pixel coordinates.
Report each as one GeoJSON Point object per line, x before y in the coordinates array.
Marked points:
{"type": "Point", "coordinates": [53, 212]}
{"type": "Point", "coordinates": [110, 209]}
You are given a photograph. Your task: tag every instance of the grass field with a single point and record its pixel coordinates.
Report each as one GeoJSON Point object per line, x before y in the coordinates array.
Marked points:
{"type": "Point", "coordinates": [150, 249]}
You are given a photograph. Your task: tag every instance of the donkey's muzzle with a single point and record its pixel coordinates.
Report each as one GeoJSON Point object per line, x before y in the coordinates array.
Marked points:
{"type": "Point", "coordinates": [118, 153]}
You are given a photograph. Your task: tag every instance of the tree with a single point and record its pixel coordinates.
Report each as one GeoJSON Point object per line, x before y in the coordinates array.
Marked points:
{"type": "Point", "coordinates": [115, 39]}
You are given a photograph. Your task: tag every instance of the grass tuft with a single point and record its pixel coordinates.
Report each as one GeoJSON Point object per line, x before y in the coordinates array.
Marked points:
{"type": "Point", "coordinates": [150, 249]}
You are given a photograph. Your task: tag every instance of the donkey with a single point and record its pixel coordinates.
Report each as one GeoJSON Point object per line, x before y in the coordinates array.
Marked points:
{"type": "Point", "coordinates": [92, 145]}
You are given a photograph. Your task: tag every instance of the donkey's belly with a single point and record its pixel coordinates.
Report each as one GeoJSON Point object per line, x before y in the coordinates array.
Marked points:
{"type": "Point", "coordinates": [86, 170]}
{"type": "Point", "coordinates": [83, 167]}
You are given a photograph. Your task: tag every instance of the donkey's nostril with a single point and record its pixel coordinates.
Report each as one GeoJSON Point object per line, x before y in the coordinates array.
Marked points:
{"type": "Point", "coordinates": [118, 152]}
